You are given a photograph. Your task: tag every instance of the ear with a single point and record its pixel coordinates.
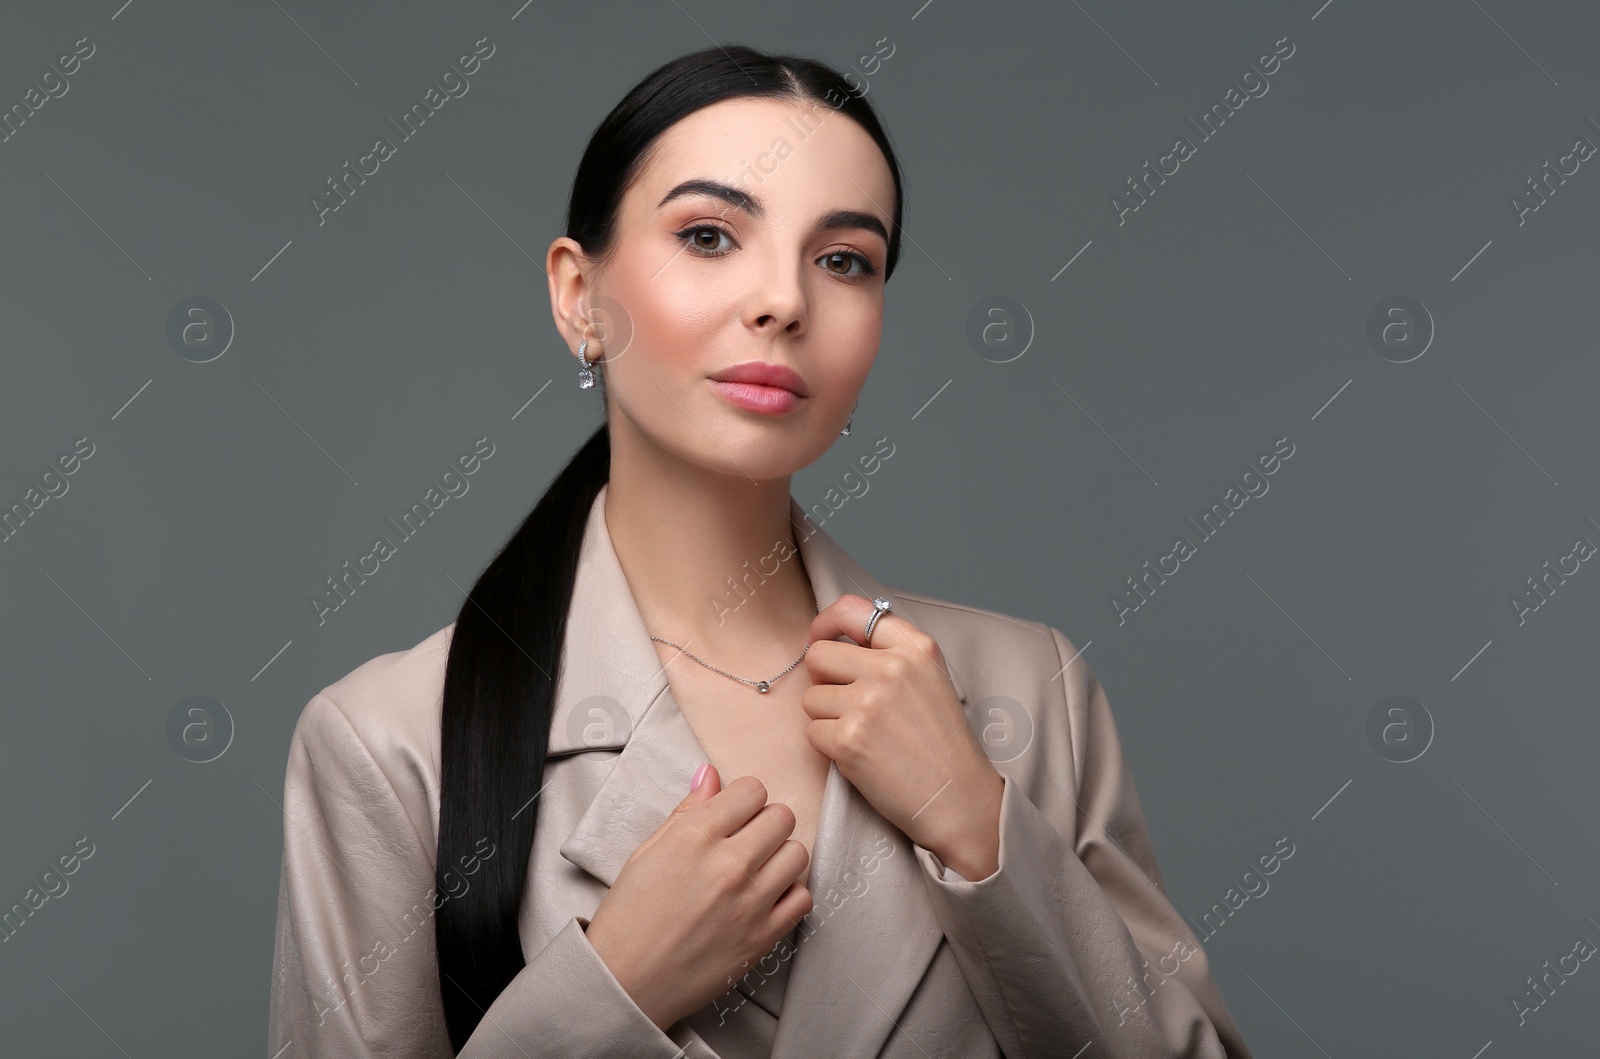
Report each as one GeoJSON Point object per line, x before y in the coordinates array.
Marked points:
{"type": "Point", "coordinates": [567, 268]}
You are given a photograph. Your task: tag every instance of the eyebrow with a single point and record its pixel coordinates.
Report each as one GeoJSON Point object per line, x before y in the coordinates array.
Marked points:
{"type": "Point", "coordinates": [833, 220]}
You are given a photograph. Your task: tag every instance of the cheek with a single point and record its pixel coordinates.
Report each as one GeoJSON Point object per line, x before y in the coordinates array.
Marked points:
{"type": "Point", "coordinates": [852, 334]}
{"type": "Point", "coordinates": [673, 318]}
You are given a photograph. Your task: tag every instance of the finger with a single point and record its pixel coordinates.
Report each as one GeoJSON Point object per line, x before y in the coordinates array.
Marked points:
{"type": "Point", "coordinates": [848, 616]}
{"type": "Point", "coordinates": [832, 662]}
{"type": "Point", "coordinates": [733, 807]}
{"type": "Point", "coordinates": [825, 702]}
{"type": "Point", "coordinates": [761, 839]}
{"type": "Point", "coordinates": [795, 904]}
{"type": "Point", "coordinates": [783, 871]}
{"type": "Point", "coordinates": [824, 738]}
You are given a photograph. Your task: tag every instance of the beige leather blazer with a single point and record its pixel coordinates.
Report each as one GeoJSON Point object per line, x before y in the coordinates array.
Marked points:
{"type": "Point", "coordinates": [1070, 949]}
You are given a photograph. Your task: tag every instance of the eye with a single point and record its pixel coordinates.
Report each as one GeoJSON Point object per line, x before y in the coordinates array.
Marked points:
{"type": "Point", "coordinates": [846, 258]}
{"type": "Point", "coordinates": [692, 235]}
{"type": "Point", "coordinates": [705, 240]}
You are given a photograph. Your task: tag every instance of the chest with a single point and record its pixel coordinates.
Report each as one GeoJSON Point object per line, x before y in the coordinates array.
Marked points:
{"type": "Point", "coordinates": [746, 733]}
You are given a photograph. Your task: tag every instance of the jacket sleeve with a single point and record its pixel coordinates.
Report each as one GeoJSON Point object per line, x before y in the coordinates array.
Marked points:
{"type": "Point", "coordinates": [355, 974]}
{"type": "Point", "coordinates": [1068, 944]}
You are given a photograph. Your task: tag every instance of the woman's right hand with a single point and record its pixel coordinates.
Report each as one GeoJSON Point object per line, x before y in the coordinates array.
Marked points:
{"type": "Point", "coordinates": [716, 887]}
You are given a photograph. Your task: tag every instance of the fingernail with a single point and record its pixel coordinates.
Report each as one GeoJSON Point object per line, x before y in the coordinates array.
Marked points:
{"type": "Point", "coordinates": [699, 776]}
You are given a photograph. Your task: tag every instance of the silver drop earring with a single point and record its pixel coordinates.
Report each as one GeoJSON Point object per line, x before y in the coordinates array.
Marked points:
{"type": "Point", "coordinates": [846, 431]}
{"type": "Point", "coordinates": [586, 371]}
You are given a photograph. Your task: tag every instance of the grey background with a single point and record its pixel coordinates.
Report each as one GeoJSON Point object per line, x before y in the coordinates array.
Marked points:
{"type": "Point", "coordinates": [1227, 312]}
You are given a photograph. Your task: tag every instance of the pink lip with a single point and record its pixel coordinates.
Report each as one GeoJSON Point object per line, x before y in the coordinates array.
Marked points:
{"type": "Point", "coordinates": [758, 398]}
{"type": "Point", "coordinates": [764, 373]}
{"type": "Point", "coordinates": [761, 386]}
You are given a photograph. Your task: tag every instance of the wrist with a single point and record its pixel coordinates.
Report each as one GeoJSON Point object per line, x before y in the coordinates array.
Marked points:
{"type": "Point", "coordinates": [653, 1007]}
{"type": "Point", "coordinates": [971, 848]}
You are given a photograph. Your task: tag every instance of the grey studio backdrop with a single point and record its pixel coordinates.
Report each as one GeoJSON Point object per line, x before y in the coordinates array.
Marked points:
{"type": "Point", "coordinates": [1374, 270]}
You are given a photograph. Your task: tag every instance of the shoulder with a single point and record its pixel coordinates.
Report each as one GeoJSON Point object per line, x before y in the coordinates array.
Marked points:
{"type": "Point", "coordinates": [383, 714]}
{"type": "Point", "coordinates": [395, 687]}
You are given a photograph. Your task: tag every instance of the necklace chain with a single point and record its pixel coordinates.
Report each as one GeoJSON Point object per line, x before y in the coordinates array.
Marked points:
{"type": "Point", "coordinates": [762, 686]}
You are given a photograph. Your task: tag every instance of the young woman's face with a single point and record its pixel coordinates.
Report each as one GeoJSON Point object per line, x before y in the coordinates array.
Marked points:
{"type": "Point", "coordinates": [784, 266]}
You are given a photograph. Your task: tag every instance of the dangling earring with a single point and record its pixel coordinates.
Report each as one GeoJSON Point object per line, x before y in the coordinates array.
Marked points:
{"type": "Point", "coordinates": [846, 431]}
{"type": "Point", "coordinates": [586, 371]}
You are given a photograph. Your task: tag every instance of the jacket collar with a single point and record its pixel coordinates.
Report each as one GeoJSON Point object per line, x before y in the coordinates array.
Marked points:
{"type": "Point", "coordinates": [873, 928]}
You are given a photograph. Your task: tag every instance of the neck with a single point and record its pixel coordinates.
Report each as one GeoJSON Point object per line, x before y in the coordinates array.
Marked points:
{"type": "Point", "coordinates": [681, 533]}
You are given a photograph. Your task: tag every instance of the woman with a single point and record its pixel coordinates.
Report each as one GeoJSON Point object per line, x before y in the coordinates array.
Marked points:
{"type": "Point", "coordinates": [682, 779]}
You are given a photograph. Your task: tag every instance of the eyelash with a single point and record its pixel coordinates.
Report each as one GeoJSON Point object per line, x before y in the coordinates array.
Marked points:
{"type": "Point", "coordinates": [868, 270]}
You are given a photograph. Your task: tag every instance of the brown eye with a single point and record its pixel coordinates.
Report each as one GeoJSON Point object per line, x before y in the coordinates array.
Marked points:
{"type": "Point", "coordinates": [847, 258]}
{"type": "Point", "coordinates": [695, 238]}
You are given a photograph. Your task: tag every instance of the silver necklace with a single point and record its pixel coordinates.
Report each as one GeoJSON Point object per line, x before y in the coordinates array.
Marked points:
{"type": "Point", "coordinates": [762, 686]}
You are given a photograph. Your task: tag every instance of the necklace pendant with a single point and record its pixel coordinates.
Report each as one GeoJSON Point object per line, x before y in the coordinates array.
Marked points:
{"type": "Point", "coordinates": [763, 686]}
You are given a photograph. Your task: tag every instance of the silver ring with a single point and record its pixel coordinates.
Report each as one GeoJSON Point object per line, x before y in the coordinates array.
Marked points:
{"type": "Point", "coordinates": [880, 607]}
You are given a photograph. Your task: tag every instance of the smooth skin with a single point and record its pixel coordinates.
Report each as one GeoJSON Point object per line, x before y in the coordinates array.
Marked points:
{"type": "Point", "coordinates": [699, 485]}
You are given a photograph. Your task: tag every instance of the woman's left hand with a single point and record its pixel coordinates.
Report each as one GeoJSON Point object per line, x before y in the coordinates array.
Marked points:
{"type": "Point", "coordinates": [889, 717]}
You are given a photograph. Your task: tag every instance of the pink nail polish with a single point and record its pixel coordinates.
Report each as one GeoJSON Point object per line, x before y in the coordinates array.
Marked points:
{"type": "Point", "coordinates": [699, 776]}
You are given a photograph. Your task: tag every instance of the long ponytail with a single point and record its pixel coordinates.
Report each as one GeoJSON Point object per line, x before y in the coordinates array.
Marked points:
{"type": "Point", "coordinates": [505, 652]}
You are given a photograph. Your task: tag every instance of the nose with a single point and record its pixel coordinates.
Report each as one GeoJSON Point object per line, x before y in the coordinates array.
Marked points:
{"type": "Point", "coordinates": [778, 300]}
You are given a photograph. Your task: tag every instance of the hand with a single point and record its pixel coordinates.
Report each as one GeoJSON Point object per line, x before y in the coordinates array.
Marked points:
{"type": "Point", "coordinates": [890, 719]}
{"type": "Point", "coordinates": [717, 886]}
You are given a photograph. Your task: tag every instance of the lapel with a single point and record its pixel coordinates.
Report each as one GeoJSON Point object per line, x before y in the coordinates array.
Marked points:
{"type": "Point", "coordinates": [872, 930]}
